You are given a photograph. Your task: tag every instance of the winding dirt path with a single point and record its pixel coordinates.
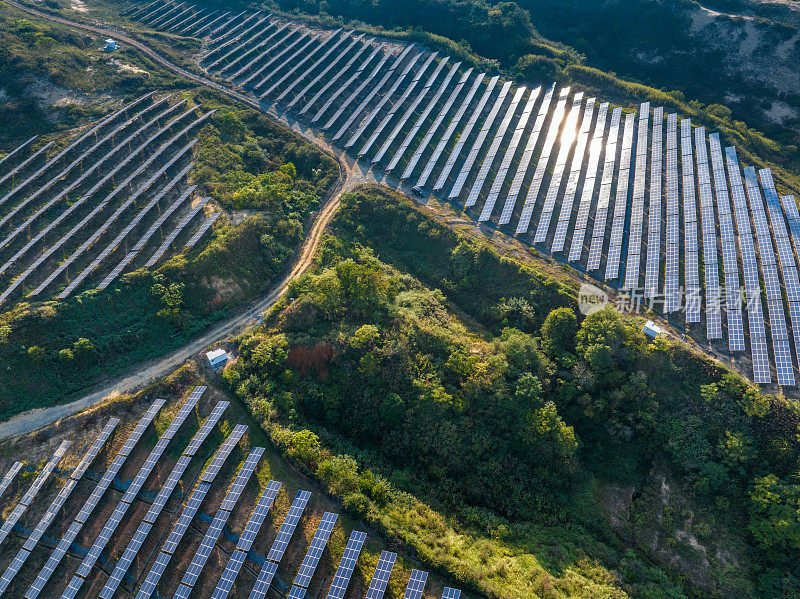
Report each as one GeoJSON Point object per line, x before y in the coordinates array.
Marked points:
{"type": "Point", "coordinates": [149, 372]}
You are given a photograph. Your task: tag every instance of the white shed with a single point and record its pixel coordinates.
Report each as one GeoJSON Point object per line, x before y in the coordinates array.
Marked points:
{"type": "Point", "coordinates": [111, 45]}
{"type": "Point", "coordinates": [217, 358]}
{"type": "Point", "coordinates": [651, 329]}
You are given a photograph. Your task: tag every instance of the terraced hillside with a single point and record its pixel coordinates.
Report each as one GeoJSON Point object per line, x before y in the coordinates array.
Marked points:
{"type": "Point", "coordinates": [645, 203]}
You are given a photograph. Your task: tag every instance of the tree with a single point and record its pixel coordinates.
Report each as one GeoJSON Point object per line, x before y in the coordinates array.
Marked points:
{"type": "Point", "coordinates": [775, 513]}
{"type": "Point", "coordinates": [558, 332]}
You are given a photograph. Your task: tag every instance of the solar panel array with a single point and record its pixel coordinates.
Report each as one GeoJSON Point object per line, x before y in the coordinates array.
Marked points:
{"type": "Point", "coordinates": [92, 501]}
{"type": "Point", "coordinates": [190, 510]}
{"type": "Point", "coordinates": [110, 526]}
{"type": "Point", "coordinates": [55, 507]}
{"type": "Point", "coordinates": [33, 490]}
{"type": "Point", "coordinates": [709, 227]}
{"type": "Point", "coordinates": [166, 491]}
{"type": "Point", "coordinates": [346, 565]}
{"type": "Point", "coordinates": [691, 268]}
{"type": "Point", "coordinates": [139, 144]}
{"type": "Point", "coordinates": [9, 477]}
{"type": "Point", "coordinates": [217, 524]}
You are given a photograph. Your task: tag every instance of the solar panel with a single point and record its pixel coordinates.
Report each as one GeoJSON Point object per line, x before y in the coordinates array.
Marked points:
{"type": "Point", "coordinates": [373, 91]}
{"type": "Point", "coordinates": [208, 424]}
{"type": "Point", "coordinates": [761, 372]}
{"type": "Point", "coordinates": [267, 43]}
{"type": "Point", "coordinates": [491, 153]}
{"type": "Point", "coordinates": [389, 95]}
{"type": "Point", "coordinates": [451, 128]}
{"type": "Point", "coordinates": [603, 199]}
{"type": "Point", "coordinates": [654, 209]}
{"type": "Point", "coordinates": [541, 166]}
{"type": "Point", "coordinates": [567, 203]}
{"type": "Point", "coordinates": [637, 200]}
{"type": "Point", "coordinates": [568, 135]}
{"type": "Point", "coordinates": [314, 553]}
{"type": "Point", "coordinates": [287, 528]}
{"type": "Point", "coordinates": [220, 519]}
{"type": "Point", "coordinates": [325, 56]}
{"type": "Point", "coordinates": [232, 31]}
{"type": "Point", "coordinates": [621, 201]}
{"type": "Point", "coordinates": [464, 135]}
{"type": "Point", "coordinates": [296, 592]}
{"type": "Point", "coordinates": [9, 477]}
{"type": "Point", "coordinates": [466, 168]}
{"type": "Point", "coordinates": [222, 454]}
{"type": "Point", "coordinates": [176, 19]}
{"type": "Point", "coordinates": [246, 539]}
{"type": "Point", "coordinates": [338, 92]}
{"type": "Point", "coordinates": [508, 157]}
{"type": "Point", "coordinates": [380, 578]}
{"type": "Point", "coordinates": [434, 128]}
{"type": "Point", "coordinates": [26, 162]}
{"type": "Point", "coordinates": [451, 593]}
{"type": "Point", "coordinates": [55, 507]}
{"type": "Point", "coordinates": [201, 230]}
{"type": "Point", "coordinates": [211, 24]}
{"type": "Point", "coordinates": [264, 580]}
{"type": "Point", "coordinates": [336, 60]}
{"type": "Point", "coordinates": [347, 564]}
{"type": "Point", "coordinates": [225, 584]}
{"type": "Point", "coordinates": [161, 250]}
{"type": "Point", "coordinates": [527, 156]}
{"type": "Point", "coordinates": [405, 116]}
{"type": "Point", "coordinates": [416, 584]}
{"type": "Point", "coordinates": [341, 73]}
{"type": "Point", "coordinates": [432, 103]}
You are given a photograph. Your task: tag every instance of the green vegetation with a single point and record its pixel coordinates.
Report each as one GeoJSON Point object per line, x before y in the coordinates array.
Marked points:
{"type": "Point", "coordinates": [472, 385]}
{"type": "Point", "coordinates": [55, 78]}
{"type": "Point", "coordinates": [52, 351]}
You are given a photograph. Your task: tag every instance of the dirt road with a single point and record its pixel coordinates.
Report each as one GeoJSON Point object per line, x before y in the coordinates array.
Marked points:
{"type": "Point", "coordinates": [149, 372]}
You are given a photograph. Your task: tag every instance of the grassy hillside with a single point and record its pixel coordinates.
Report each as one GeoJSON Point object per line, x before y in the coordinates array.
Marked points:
{"type": "Point", "coordinates": [266, 179]}
{"type": "Point", "coordinates": [588, 453]}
